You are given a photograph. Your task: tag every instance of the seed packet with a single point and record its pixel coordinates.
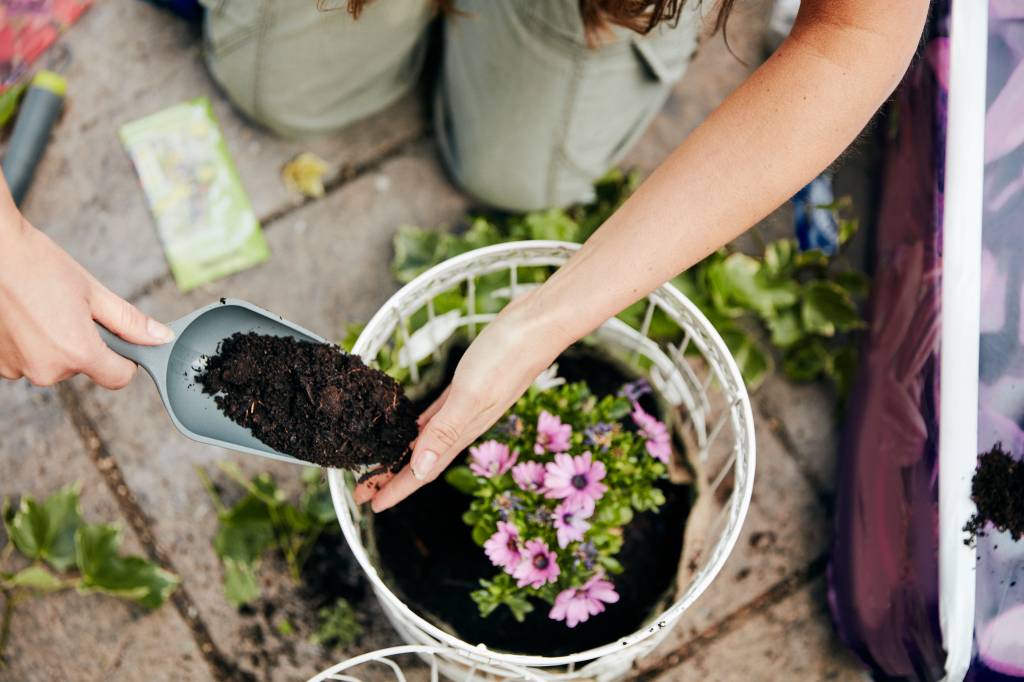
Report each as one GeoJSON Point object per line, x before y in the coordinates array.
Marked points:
{"type": "Point", "coordinates": [203, 216]}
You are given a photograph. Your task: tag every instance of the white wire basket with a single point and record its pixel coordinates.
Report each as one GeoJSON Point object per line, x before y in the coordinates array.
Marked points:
{"type": "Point", "coordinates": [691, 371]}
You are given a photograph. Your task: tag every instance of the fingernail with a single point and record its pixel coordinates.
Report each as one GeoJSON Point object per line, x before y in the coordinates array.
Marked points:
{"type": "Point", "coordinates": [424, 464]}
{"type": "Point", "coordinates": [158, 331]}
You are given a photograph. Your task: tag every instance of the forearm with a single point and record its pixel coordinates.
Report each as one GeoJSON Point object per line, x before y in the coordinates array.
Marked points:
{"type": "Point", "coordinates": [786, 123]}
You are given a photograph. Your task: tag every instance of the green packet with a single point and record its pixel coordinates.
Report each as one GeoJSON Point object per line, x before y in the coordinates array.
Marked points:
{"type": "Point", "coordinates": [203, 216]}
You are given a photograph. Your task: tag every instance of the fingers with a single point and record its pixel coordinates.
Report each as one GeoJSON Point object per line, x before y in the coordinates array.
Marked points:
{"type": "Point", "coordinates": [441, 438]}
{"type": "Point", "coordinates": [122, 318]}
{"type": "Point", "coordinates": [365, 490]}
{"type": "Point", "coordinates": [107, 368]}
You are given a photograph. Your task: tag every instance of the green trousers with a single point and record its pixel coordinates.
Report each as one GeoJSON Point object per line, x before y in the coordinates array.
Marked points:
{"type": "Point", "coordinates": [526, 114]}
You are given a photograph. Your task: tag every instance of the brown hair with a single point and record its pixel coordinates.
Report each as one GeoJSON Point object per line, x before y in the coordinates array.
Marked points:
{"type": "Point", "coordinates": [637, 15]}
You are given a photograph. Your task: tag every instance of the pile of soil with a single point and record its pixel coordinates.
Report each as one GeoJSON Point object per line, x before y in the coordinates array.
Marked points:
{"type": "Point", "coordinates": [998, 492]}
{"type": "Point", "coordinates": [312, 401]}
{"type": "Point", "coordinates": [433, 564]}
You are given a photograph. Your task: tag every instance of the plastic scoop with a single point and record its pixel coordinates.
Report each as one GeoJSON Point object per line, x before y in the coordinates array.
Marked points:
{"type": "Point", "coordinates": [174, 367]}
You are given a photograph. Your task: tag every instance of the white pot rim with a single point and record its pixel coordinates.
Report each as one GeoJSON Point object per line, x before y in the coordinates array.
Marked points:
{"type": "Point", "coordinates": [547, 252]}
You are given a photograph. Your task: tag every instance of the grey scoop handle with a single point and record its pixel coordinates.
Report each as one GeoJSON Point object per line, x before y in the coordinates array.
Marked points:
{"type": "Point", "coordinates": [174, 367]}
{"type": "Point", "coordinates": [153, 359]}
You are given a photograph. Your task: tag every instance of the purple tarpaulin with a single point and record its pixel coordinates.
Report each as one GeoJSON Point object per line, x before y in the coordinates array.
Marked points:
{"type": "Point", "coordinates": [883, 575]}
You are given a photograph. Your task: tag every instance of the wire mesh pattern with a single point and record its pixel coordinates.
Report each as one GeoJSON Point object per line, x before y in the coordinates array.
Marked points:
{"type": "Point", "coordinates": [688, 366]}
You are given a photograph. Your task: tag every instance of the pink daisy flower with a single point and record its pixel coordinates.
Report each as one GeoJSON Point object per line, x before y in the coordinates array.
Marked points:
{"type": "Point", "coordinates": [552, 434]}
{"type": "Point", "coordinates": [576, 605]}
{"type": "Point", "coordinates": [655, 432]}
{"type": "Point", "coordinates": [503, 547]}
{"type": "Point", "coordinates": [529, 476]}
{"type": "Point", "coordinates": [570, 524]}
{"type": "Point", "coordinates": [538, 565]}
{"type": "Point", "coordinates": [577, 480]}
{"type": "Point", "coordinates": [491, 458]}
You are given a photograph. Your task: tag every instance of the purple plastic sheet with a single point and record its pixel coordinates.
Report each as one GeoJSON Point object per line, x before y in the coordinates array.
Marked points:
{"type": "Point", "coordinates": [999, 588]}
{"type": "Point", "coordinates": [884, 586]}
{"type": "Point", "coordinates": [883, 575]}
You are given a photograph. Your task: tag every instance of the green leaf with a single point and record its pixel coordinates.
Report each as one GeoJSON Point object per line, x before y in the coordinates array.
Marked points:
{"type": "Point", "coordinates": [786, 328]}
{"type": "Point", "coordinates": [285, 627]}
{"type": "Point", "coordinates": [848, 227]}
{"type": "Point", "coordinates": [740, 283]}
{"type": "Point", "coordinates": [806, 361]}
{"type": "Point", "coordinates": [855, 283]}
{"type": "Point", "coordinates": [416, 250]}
{"type": "Point", "coordinates": [551, 224]}
{"type": "Point", "coordinates": [36, 578]}
{"type": "Point", "coordinates": [241, 586]}
{"type": "Point", "coordinates": [826, 308]}
{"type": "Point", "coordinates": [611, 564]}
{"type": "Point", "coordinates": [352, 332]}
{"type": "Point", "coordinates": [843, 369]}
{"type": "Point", "coordinates": [46, 531]}
{"type": "Point", "coordinates": [246, 531]}
{"type": "Point", "coordinates": [462, 479]}
{"type": "Point", "coordinates": [130, 577]}
{"type": "Point", "coordinates": [317, 505]}
{"type": "Point", "coordinates": [482, 533]}
{"type": "Point", "coordinates": [778, 258]}
{"type": "Point", "coordinates": [812, 258]}
{"type": "Point", "coordinates": [337, 625]}
{"type": "Point", "coordinates": [9, 102]}
{"type": "Point", "coordinates": [753, 362]}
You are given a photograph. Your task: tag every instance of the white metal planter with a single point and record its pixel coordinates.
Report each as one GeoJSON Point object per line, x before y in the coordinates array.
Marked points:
{"type": "Point", "coordinates": [696, 373]}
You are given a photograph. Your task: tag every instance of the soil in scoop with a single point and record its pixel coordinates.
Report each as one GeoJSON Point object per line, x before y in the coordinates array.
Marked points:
{"type": "Point", "coordinates": [433, 563]}
{"type": "Point", "coordinates": [312, 401]}
{"type": "Point", "coordinates": [998, 492]}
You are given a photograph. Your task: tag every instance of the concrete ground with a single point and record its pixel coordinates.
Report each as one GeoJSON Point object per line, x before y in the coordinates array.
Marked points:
{"type": "Point", "coordinates": [765, 617]}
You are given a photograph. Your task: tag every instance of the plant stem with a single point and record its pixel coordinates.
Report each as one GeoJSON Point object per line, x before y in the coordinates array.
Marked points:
{"type": "Point", "coordinates": [218, 504]}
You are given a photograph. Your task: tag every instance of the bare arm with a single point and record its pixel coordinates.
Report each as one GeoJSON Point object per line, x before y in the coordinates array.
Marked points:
{"type": "Point", "coordinates": [779, 129]}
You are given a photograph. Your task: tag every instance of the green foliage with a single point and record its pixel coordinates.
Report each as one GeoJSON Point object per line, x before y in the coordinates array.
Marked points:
{"type": "Point", "coordinates": [601, 427]}
{"type": "Point", "coordinates": [130, 577]}
{"type": "Point", "coordinates": [65, 552]}
{"type": "Point", "coordinates": [45, 531]}
{"type": "Point", "coordinates": [337, 625]}
{"type": "Point", "coordinates": [804, 302]}
{"type": "Point", "coordinates": [264, 520]}
{"type": "Point", "coordinates": [501, 591]}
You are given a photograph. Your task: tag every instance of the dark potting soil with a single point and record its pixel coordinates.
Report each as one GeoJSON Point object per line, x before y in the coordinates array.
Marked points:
{"type": "Point", "coordinates": [998, 492]}
{"type": "Point", "coordinates": [312, 401]}
{"type": "Point", "coordinates": [433, 563]}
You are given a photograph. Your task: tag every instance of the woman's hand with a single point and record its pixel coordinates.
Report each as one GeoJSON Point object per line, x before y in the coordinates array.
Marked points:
{"type": "Point", "coordinates": [47, 306]}
{"type": "Point", "coordinates": [498, 367]}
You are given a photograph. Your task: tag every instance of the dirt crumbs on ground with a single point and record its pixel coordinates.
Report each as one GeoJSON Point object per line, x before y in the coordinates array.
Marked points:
{"type": "Point", "coordinates": [312, 401]}
{"type": "Point", "coordinates": [997, 492]}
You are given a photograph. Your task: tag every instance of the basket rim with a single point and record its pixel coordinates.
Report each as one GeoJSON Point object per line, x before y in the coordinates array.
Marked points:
{"type": "Point", "coordinates": [344, 504]}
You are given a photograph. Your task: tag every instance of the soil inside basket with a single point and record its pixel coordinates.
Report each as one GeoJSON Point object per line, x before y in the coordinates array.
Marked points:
{"type": "Point", "coordinates": [432, 563]}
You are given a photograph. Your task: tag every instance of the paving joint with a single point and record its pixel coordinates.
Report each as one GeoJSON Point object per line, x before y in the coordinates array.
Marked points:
{"type": "Point", "coordinates": [775, 594]}
{"type": "Point", "coordinates": [221, 667]}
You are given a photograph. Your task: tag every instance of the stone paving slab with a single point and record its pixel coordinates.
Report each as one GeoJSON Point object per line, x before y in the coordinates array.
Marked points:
{"type": "Point", "coordinates": [328, 269]}
{"type": "Point", "coordinates": [132, 60]}
{"type": "Point", "coordinates": [68, 636]}
{"type": "Point", "coordinates": [792, 640]}
{"type": "Point", "coordinates": [785, 530]}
